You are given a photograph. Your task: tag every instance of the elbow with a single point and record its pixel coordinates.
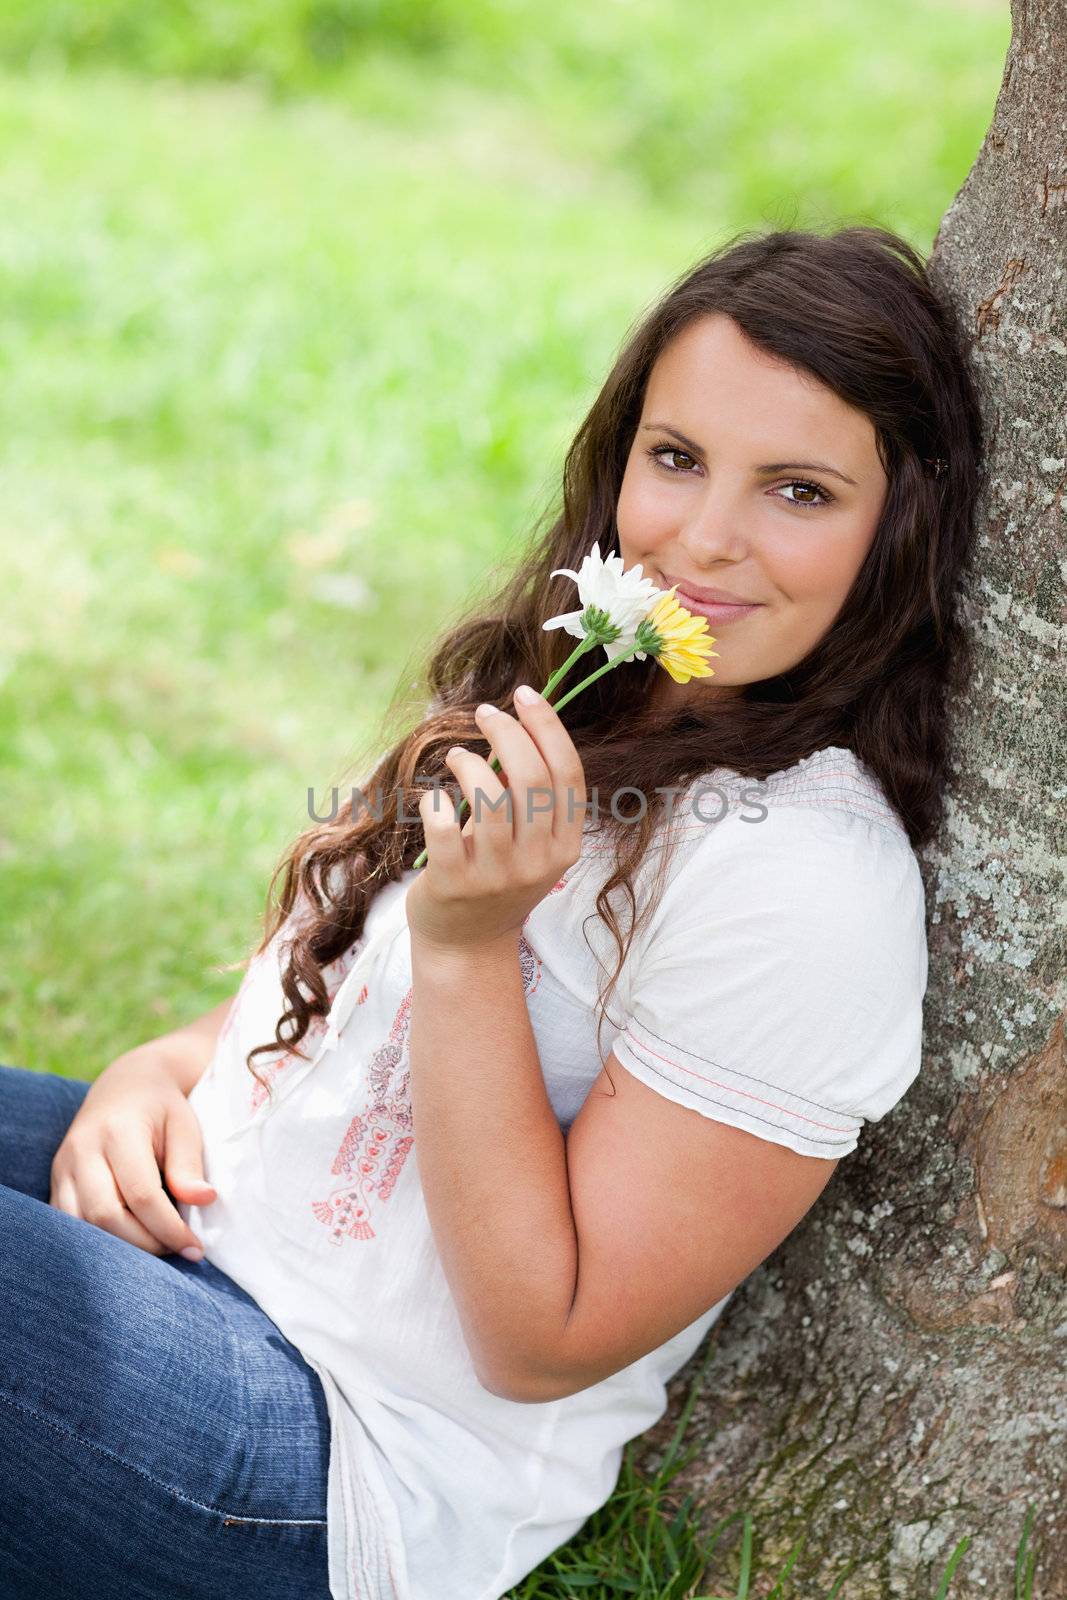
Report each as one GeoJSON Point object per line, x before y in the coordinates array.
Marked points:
{"type": "Point", "coordinates": [532, 1387]}
{"type": "Point", "coordinates": [521, 1387]}
{"type": "Point", "coordinates": [536, 1374]}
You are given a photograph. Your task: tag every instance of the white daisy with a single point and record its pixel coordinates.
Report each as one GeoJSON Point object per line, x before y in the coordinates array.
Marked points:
{"type": "Point", "coordinates": [622, 595]}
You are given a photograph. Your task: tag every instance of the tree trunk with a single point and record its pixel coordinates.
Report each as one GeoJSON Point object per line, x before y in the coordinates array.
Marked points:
{"type": "Point", "coordinates": [894, 1377]}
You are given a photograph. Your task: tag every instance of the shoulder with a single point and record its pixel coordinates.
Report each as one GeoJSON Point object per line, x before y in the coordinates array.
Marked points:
{"type": "Point", "coordinates": [817, 836]}
{"type": "Point", "coordinates": [786, 960]}
{"type": "Point", "coordinates": [834, 794]}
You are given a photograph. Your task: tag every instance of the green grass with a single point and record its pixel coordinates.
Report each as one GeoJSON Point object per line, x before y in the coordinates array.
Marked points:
{"type": "Point", "coordinates": [855, 106]}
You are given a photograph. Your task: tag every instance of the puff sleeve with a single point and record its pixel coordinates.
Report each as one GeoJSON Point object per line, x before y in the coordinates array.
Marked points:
{"type": "Point", "coordinates": [779, 984]}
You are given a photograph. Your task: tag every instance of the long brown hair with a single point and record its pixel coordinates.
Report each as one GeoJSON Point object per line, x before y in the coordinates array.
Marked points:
{"type": "Point", "coordinates": [857, 310]}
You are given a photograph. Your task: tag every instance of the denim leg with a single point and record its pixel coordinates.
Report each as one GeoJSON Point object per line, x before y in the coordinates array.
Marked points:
{"type": "Point", "coordinates": [36, 1109]}
{"type": "Point", "coordinates": [159, 1437]}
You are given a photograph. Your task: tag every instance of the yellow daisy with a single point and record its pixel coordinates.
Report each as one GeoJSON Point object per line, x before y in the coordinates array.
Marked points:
{"type": "Point", "coordinates": [679, 640]}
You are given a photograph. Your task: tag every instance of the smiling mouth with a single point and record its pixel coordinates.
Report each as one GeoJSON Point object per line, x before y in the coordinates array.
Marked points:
{"type": "Point", "coordinates": [716, 605]}
{"type": "Point", "coordinates": [716, 611]}
{"type": "Point", "coordinates": [682, 594]}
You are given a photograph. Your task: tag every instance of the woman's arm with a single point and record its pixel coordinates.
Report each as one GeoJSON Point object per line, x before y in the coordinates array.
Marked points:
{"type": "Point", "coordinates": [570, 1258]}
{"type": "Point", "coordinates": [491, 1156]}
{"type": "Point", "coordinates": [185, 1053]}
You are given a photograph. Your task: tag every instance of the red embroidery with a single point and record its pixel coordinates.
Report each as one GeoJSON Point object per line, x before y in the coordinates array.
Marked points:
{"type": "Point", "coordinates": [377, 1141]}
{"type": "Point", "coordinates": [379, 1138]}
{"type": "Point", "coordinates": [529, 965]}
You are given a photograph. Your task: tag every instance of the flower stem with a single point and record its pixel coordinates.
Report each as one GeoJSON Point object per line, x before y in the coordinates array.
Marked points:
{"type": "Point", "coordinates": [624, 655]}
{"type": "Point", "coordinates": [589, 642]}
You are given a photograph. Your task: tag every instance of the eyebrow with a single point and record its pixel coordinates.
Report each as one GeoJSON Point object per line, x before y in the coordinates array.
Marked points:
{"type": "Point", "coordinates": [768, 467]}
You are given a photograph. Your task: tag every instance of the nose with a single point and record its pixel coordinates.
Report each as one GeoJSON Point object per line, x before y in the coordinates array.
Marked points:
{"type": "Point", "coordinates": [715, 529]}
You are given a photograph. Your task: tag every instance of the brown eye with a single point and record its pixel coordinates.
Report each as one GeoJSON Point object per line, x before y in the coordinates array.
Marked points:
{"type": "Point", "coordinates": [658, 451]}
{"type": "Point", "coordinates": [809, 488]}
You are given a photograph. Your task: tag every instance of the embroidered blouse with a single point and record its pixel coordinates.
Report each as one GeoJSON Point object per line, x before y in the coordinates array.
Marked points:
{"type": "Point", "coordinates": [778, 988]}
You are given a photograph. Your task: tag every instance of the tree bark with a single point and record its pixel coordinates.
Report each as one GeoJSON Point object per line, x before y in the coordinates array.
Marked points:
{"type": "Point", "coordinates": [894, 1377]}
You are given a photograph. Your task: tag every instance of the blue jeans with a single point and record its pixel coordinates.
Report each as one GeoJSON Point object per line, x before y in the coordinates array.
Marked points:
{"type": "Point", "coordinates": [159, 1438]}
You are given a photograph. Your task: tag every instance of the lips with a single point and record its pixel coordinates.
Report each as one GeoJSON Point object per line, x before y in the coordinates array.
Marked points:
{"type": "Point", "coordinates": [718, 614]}
{"type": "Point", "coordinates": [707, 597]}
{"type": "Point", "coordinates": [717, 605]}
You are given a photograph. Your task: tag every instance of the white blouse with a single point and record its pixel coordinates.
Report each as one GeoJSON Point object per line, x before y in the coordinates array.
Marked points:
{"type": "Point", "coordinates": [777, 988]}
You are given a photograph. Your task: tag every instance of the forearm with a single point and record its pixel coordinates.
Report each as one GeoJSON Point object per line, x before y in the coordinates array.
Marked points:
{"type": "Point", "coordinates": [186, 1052]}
{"type": "Point", "coordinates": [492, 1159]}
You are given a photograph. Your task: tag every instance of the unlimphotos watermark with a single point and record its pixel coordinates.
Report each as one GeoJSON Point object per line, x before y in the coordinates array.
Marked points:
{"type": "Point", "coordinates": [540, 800]}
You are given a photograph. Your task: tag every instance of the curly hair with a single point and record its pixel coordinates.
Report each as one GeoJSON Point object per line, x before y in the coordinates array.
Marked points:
{"type": "Point", "coordinates": [857, 310]}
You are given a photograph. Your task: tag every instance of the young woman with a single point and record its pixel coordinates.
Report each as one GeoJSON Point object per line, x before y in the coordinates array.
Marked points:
{"type": "Point", "coordinates": [456, 1237]}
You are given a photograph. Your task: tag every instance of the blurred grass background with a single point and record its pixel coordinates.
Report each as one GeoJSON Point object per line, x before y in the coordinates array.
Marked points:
{"type": "Point", "coordinates": [301, 302]}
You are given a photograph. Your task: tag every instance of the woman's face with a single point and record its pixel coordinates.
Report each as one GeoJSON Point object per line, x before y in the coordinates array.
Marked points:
{"type": "Point", "coordinates": [748, 476]}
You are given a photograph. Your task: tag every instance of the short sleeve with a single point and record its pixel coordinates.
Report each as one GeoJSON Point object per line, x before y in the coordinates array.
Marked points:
{"type": "Point", "coordinates": [779, 984]}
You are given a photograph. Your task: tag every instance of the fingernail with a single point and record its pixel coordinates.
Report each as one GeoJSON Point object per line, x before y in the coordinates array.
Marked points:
{"type": "Point", "coordinates": [527, 696]}
{"type": "Point", "coordinates": [486, 710]}
{"type": "Point", "coordinates": [191, 1253]}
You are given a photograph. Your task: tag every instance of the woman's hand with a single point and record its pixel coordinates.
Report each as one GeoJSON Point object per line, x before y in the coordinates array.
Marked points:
{"type": "Point", "coordinates": [133, 1122]}
{"type": "Point", "coordinates": [483, 879]}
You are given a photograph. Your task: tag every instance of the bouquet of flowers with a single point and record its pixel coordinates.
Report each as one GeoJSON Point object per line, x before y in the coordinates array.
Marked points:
{"type": "Point", "coordinates": [626, 613]}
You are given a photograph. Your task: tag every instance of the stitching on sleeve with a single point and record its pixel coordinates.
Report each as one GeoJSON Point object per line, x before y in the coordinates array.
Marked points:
{"type": "Point", "coordinates": [814, 1138]}
{"type": "Point", "coordinates": [734, 1071]}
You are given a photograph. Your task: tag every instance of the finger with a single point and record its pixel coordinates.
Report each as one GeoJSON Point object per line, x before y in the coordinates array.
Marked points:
{"type": "Point", "coordinates": [140, 1186]}
{"type": "Point", "coordinates": [527, 775]}
{"type": "Point", "coordinates": [445, 848]}
{"type": "Point", "coordinates": [183, 1163]}
{"type": "Point", "coordinates": [102, 1204]}
{"type": "Point", "coordinates": [490, 832]}
{"type": "Point", "coordinates": [559, 753]}
{"type": "Point", "coordinates": [64, 1197]}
